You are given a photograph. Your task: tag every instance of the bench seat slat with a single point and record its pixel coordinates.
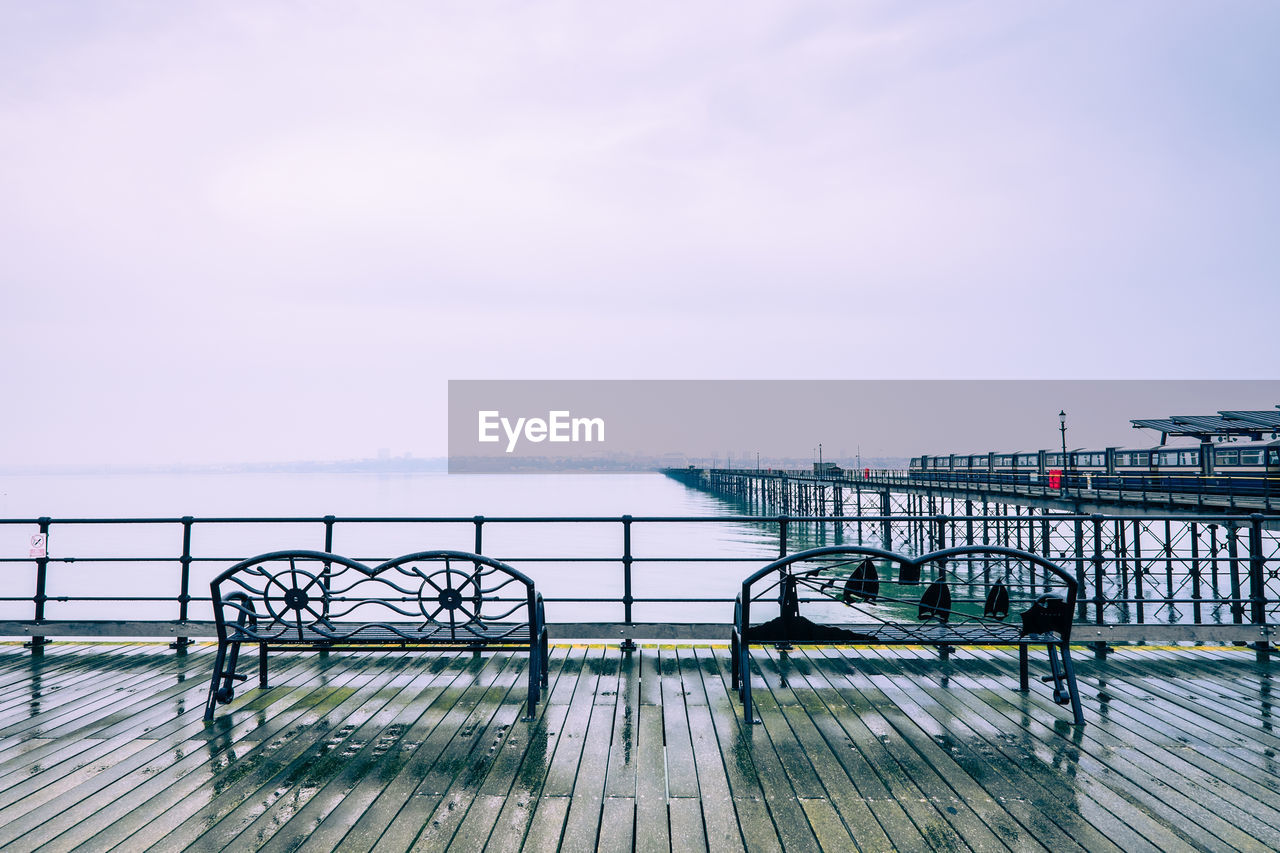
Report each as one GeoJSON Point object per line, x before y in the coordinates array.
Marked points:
{"type": "Point", "coordinates": [925, 634]}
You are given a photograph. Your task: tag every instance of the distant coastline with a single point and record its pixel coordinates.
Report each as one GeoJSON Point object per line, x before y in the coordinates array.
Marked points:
{"type": "Point", "coordinates": [436, 465]}
{"type": "Point", "coordinates": [397, 465]}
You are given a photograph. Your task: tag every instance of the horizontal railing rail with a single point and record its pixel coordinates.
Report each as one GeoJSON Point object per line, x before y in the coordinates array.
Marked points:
{"type": "Point", "coordinates": [1247, 492]}
{"type": "Point", "coordinates": [1157, 577]}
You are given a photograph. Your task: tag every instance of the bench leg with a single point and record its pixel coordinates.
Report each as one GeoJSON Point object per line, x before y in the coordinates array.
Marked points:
{"type": "Point", "coordinates": [545, 669]}
{"type": "Point", "coordinates": [1070, 673]}
{"type": "Point", "coordinates": [744, 669]}
{"type": "Point", "coordinates": [734, 672]}
{"type": "Point", "coordinates": [262, 665]}
{"type": "Point", "coordinates": [1024, 676]}
{"type": "Point", "coordinates": [213, 685]}
{"type": "Point", "coordinates": [1065, 690]}
{"type": "Point", "coordinates": [535, 683]}
{"type": "Point", "coordinates": [222, 688]}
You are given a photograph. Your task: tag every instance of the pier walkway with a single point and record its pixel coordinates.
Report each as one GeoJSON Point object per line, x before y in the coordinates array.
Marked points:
{"type": "Point", "coordinates": [102, 746]}
{"type": "Point", "coordinates": [806, 493]}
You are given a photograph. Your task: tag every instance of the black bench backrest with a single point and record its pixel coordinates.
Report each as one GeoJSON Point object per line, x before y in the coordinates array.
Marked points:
{"type": "Point", "coordinates": [291, 595]}
{"type": "Point", "coordinates": [965, 587]}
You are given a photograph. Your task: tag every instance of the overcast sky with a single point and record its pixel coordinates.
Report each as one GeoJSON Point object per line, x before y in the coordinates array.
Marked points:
{"type": "Point", "coordinates": [246, 231]}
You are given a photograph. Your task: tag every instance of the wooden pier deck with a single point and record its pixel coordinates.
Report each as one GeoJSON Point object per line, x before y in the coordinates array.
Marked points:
{"type": "Point", "coordinates": [103, 747]}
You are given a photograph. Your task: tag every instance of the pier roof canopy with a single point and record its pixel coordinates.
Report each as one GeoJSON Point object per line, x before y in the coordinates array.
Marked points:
{"type": "Point", "coordinates": [1264, 419]}
{"type": "Point", "coordinates": [1223, 424]}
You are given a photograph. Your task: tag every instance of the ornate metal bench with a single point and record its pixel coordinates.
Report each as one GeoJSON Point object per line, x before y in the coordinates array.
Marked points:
{"type": "Point", "coordinates": [444, 600]}
{"type": "Point", "coordinates": [955, 597]}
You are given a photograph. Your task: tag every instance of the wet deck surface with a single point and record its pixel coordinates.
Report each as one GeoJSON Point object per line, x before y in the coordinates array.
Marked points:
{"type": "Point", "coordinates": [104, 746]}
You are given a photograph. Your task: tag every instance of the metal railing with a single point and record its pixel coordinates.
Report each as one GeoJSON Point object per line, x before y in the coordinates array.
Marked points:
{"type": "Point", "coordinates": [1229, 491]}
{"type": "Point", "coordinates": [1151, 577]}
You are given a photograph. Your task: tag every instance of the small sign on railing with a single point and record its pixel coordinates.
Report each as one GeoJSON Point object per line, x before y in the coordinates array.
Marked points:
{"type": "Point", "coordinates": [39, 545]}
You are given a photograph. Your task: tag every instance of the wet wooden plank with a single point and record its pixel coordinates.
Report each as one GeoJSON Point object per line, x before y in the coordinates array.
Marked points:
{"type": "Point", "coordinates": [403, 806]}
{"type": "Point", "coordinates": [688, 834]}
{"type": "Point", "coordinates": [107, 797]}
{"type": "Point", "coordinates": [620, 778]}
{"type": "Point", "coordinates": [737, 760]}
{"type": "Point", "coordinates": [873, 777]}
{"type": "Point", "coordinates": [563, 772]}
{"type": "Point", "coordinates": [1148, 817]}
{"type": "Point", "coordinates": [718, 811]}
{"type": "Point", "coordinates": [1179, 752]}
{"type": "Point", "coordinates": [617, 825]}
{"type": "Point", "coordinates": [682, 773]}
{"type": "Point", "coordinates": [772, 778]}
{"type": "Point", "coordinates": [838, 788]}
{"type": "Point", "coordinates": [459, 769]}
{"type": "Point", "coordinates": [582, 825]}
{"type": "Point", "coordinates": [1006, 782]}
{"type": "Point", "coordinates": [1164, 757]}
{"type": "Point", "coordinates": [651, 784]}
{"type": "Point", "coordinates": [170, 795]}
{"type": "Point", "coordinates": [1038, 795]}
{"type": "Point", "coordinates": [290, 776]}
{"type": "Point", "coordinates": [524, 800]}
{"type": "Point", "coordinates": [547, 824]}
{"type": "Point", "coordinates": [907, 779]}
{"type": "Point", "coordinates": [327, 820]}
{"type": "Point", "coordinates": [482, 819]}
{"type": "Point", "coordinates": [1068, 782]}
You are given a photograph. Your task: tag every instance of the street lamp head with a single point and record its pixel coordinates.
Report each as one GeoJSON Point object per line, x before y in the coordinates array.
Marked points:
{"type": "Point", "coordinates": [1062, 418]}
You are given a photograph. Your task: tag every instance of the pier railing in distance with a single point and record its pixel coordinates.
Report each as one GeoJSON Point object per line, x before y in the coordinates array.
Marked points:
{"type": "Point", "coordinates": [1149, 578]}
{"type": "Point", "coordinates": [1237, 492]}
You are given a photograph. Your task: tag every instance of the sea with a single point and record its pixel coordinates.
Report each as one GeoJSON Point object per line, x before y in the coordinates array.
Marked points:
{"type": "Point", "coordinates": [132, 571]}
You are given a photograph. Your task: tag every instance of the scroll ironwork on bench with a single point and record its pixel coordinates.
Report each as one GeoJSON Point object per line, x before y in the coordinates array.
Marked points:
{"type": "Point", "coordinates": [965, 596]}
{"type": "Point", "coordinates": [443, 600]}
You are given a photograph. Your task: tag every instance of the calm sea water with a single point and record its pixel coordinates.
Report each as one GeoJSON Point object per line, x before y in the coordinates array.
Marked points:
{"type": "Point", "coordinates": [536, 549]}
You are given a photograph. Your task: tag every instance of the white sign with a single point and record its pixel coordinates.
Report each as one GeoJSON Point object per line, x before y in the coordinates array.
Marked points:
{"type": "Point", "coordinates": [39, 545]}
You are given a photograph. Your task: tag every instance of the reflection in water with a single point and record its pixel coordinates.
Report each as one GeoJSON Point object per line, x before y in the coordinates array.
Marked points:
{"type": "Point", "coordinates": [536, 763]}
{"type": "Point", "coordinates": [221, 750]}
{"type": "Point", "coordinates": [37, 687]}
{"type": "Point", "coordinates": [1264, 700]}
{"type": "Point", "coordinates": [1066, 750]}
{"type": "Point", "coordinates": [1104, 699]}
{"type": "Point", "coordinates": [784, 666]}
{"type": "Point", "coordinates": [629, 688]}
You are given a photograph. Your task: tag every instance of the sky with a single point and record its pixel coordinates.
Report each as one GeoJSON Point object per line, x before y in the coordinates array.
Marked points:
{"type": "Point", "coordinates": [243, 231]}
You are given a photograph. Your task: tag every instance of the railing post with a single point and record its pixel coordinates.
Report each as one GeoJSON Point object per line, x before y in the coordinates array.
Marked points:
{"type": "Point", "coordinates": [326, 572]}
{"type": "Point", "coordinates": [38, 643]}
{"type": "Point", "coordinates": [1083, 604]}
{"type": "Point", "coordinates": [1099, 600]}
{"type": "Point", "coordinates": [478, 598]}
{"type": "Point", "coordinates": [1137, 571]}
{"type": "Point", "coordinates": [1197, 592]}
{"type": "Point", "coordinates": [184, 597]}
{"type": "Point", "coordinates": [782, 536]}
{"type": "Point", "coordinates": [1258, 584]}
{"type": "Point", "coordinates": [1233, 561]}
{"type": "Point", "coordinates": [628, 643]}
{"type": "Point", "coordinates": [886, 523]}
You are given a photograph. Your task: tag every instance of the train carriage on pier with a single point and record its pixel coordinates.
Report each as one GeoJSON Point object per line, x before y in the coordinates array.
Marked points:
{"type": "Point", "coordinates": [1236, 467]}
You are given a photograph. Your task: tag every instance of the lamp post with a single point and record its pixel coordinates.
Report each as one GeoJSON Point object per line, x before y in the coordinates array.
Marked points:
{"type": "Point", "coordinates": [1062, 426]}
